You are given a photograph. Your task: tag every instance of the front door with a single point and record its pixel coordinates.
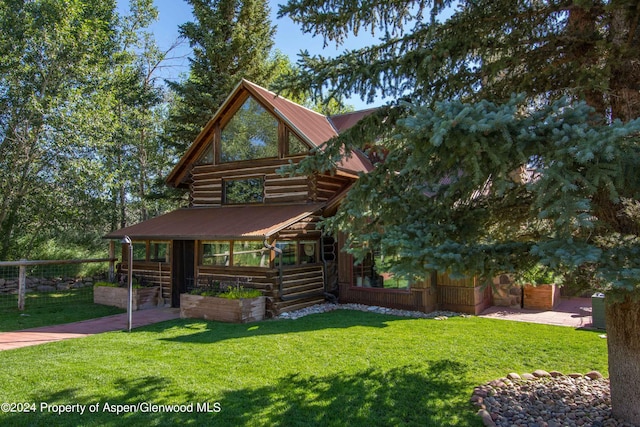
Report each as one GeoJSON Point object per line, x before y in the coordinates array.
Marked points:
{"type": "Point", "coordinates": [183, 269]}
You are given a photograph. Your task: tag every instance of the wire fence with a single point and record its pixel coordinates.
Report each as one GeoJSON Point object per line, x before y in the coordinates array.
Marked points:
{"type": "Point", "coordinates": [46, 283]}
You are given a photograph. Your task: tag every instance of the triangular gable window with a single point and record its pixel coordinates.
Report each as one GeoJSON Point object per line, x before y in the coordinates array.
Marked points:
{"type": "Point", "coordinates": [252, 133]}
{"type": "Point", "coordinates": [296, 146]}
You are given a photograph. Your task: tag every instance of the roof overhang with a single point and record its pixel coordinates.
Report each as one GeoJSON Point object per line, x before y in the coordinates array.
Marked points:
{"type": "Point", "coordinates": [219, 223]}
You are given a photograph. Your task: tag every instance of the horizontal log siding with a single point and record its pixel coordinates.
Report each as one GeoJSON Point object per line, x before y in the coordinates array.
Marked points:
{"type": "Point", "coordinates": [153, 273]}
{"type": "Point", "coordinates": [416, 299]}
{"type": "Point", "coordinates": [327, 186]}
{"type": "Point", "coordinates": [206, 182]}
{"type": "Point", "coordinates": [304, 229]}
{"type": "Point", "coordinates": [302, 286]}
{"type": "Point", "coordinates": [248, 277]}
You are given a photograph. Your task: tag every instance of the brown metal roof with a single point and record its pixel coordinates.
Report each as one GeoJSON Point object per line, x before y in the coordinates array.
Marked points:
{"type": "Point", "coordinates": [227, 222]}
{"type": "Point", "coordinates": [342, 122]}
{"type": "Point", "coordinates": [312, 127]}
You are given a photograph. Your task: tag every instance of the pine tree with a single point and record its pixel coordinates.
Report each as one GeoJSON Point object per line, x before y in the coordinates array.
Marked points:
{"type": "Point", "coordinates": [231, 40]}
{"type": "Point", "coordinates": [450, 194]}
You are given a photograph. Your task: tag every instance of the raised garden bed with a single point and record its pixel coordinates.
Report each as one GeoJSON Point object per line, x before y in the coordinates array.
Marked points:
{"type": "Point", "coordinates": [119, 297]}
{"type": "Point", "coordinates": [541, 297]}
{"type": "Point", "coordinates": [240, 310]}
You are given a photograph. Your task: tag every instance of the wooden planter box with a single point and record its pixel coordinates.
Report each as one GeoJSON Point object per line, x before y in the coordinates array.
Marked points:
{"type": "Point", "coordinates": [119, 297]}
{"type": "Point", "coordinates": [541, 297]}
{"type": "Point", "coordinates": [222, 309]}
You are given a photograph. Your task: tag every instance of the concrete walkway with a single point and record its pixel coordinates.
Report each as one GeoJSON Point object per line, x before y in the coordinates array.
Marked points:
{"type": "Point", "coordinates": [572, 312]}
{"type": "Point", "coordinates": [117, 322]}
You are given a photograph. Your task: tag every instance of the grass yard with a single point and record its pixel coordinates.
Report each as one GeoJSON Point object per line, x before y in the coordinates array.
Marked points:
{"type": "Point", "coordinates": [332, 369]}
{"type": "Point", "coordinates": [51, 308]}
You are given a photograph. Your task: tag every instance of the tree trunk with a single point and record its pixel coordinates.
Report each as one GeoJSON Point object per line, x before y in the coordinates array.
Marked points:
{"type": "Point", "coordinates": [623, 340]}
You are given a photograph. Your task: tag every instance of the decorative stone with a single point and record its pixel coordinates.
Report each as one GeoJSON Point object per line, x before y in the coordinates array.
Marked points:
{"type": "Point", "coordinates": [594, 375]}
{"type": "Point", "coordinates": [541, 373]}
{"type": "Point", "coordinates": [513, 376]}
{"type": "Point", "coordinates": [556, 374]}
{"type": "Point", "coordinates": [528, 377]}
{"type": "Point", "coordinates": [486, 418]}
{"type": "Point", "coordinates": [575, 375]}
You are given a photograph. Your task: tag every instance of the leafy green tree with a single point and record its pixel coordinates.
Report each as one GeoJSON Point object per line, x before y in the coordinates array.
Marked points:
{"type": "Point", "coordinates": [477, 181]}
{"type": "Point", "coordinates": [52, 56]}
{"type": "Point", "coordinates": [136, 156]}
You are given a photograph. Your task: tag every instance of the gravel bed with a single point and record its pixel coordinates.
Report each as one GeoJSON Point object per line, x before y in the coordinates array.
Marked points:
{"type": "Point", "coordinates": [323, 308]}
{"type": "Point", "coordinates": [547, 400]}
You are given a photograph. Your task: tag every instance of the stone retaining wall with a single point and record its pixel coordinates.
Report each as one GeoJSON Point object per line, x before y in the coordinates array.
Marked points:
{"type": "Point", "coordinates": [41, 284]}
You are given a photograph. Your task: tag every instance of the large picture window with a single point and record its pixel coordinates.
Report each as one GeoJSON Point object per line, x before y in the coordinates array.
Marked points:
{"type": "Point", "coordinates": [296, 146]}
{"type": "Point", "coordinates": [239, 253]}
{"type": "Point", "coordinates": [215, 253]}
{"type": "Point", "coordinates": [374, 271]}
{"type": "Point", "coordinates": [250, 254]}
{"type": "Point", "coordinates": [298, 252]}
{"type": "Point", "coordinates": [242, 191]}
{"type": "Point", "coordinates": [159, 252]}
{"type": "Point", "coordinates": [252, 133]}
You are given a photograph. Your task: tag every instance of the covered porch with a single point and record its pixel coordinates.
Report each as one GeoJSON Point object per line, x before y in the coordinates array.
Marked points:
{"type": "Point", "coordinates": [276, 249]}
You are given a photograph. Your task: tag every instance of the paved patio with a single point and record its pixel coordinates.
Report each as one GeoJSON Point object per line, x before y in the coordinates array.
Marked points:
{"type": "Point", "coordinates": [117, 322]}
{"type": "Point", "coordinates": [573, 312]}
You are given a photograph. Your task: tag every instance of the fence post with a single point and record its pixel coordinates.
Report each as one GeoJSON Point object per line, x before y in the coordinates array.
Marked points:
{"type": "Point", "coordinates": [112, 255]}
{"type": "Point", "coordinates": [22, 285]}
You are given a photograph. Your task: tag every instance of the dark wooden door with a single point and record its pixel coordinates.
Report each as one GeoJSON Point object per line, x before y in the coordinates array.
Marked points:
{"type": "Point", "coordinates": [183, 269]}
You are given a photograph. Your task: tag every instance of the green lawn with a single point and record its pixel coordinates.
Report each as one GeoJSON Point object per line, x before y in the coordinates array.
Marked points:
{"type": "Point", "coordinates": [332, 369]}
{"type": "Point", "coordinates": [51, 308]}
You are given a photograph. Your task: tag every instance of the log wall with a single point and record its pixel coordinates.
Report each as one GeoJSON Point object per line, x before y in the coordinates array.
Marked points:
{"type": "Point", "coordinates": [302, 286]}
{"type": "Point", "coordinates": [207, 183]}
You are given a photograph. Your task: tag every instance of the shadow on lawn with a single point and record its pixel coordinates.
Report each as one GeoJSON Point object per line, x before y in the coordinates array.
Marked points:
{"type": "Point", "coordinates": [124, 391]}
{"type": "Point", "coordinates": [207, 332]}
{"type": "Point", "coordinates": [433, 394]}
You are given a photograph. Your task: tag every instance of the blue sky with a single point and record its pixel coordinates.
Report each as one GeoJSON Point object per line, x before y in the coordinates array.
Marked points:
{"type": "Point", "coordinates": [289, 38]}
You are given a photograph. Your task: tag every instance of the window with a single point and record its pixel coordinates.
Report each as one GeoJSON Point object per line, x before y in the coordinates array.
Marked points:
{"type": "Point", "coordinates": [139, 251]}
{"type": "Point", "coordinates": [250, 254]}
{"type": "Point", "coordinates": [207, 157]}
{"type": "Point", "coordinates": [296, 146]}
{"type": "Point", "coordinates": [374, 271]}
{"type": "Point", "coordinates": [296, 252]}
{"type": "Point", "coordinates": [215, 253]}
{"type": "Point", "coordinates": [289, 252]}
{"type": "Point", "coordinates": [252, 133]}
{"type": "Point", "coordinates": [308, 252]}
{"type": "Point", "coordinates": [159, 252]}
{"type": "Point", "coordinates": [240, 191]}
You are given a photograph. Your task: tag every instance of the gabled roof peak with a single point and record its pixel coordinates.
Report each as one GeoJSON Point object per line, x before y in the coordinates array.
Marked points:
{"type": "Point", "coordinates": [312, 127]}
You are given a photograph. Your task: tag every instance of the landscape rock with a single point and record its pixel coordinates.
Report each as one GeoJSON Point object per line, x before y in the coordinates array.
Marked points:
{"type": "Point", "coordinates": [326, 307]}
{"type": "Point", "coordinates": [552, 401]}
{"type": "Point", "coordinates": [594, 375]}
{"type": "Point", "coordinates": [539, 373]}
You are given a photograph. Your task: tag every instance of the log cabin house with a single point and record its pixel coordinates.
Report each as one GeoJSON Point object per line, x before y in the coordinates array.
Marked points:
{"type": "Point", "coordinates": [247, 224]}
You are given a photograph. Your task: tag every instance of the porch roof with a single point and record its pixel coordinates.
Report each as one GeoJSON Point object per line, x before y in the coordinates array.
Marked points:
{"type": "Point", "coordinates": [226, 222]}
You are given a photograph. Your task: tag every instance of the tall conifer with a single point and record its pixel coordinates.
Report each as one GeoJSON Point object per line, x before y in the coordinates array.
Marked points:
{"type": "Point", "coordinates": [448, 195]}
{"type": "Point", "coordinates": [231, 39]}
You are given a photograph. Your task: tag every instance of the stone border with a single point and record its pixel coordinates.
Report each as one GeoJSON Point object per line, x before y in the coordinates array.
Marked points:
{"type": "Point", "coordinates": [483, 396]}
